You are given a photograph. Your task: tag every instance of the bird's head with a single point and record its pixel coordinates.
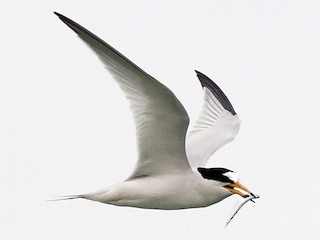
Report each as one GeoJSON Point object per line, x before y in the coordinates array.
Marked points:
{"type": "Point", "coordinates": [227, 179]}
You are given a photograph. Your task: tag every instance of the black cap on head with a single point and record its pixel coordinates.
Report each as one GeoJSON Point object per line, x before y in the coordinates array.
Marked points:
{"type": "Point", "coordinates": [215, 174]}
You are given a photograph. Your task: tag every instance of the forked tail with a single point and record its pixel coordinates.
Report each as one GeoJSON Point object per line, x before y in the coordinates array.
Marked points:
{"type": "Point", "coordinates": [69, 197]}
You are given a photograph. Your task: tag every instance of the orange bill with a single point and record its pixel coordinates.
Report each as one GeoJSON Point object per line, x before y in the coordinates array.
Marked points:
{"type": "Point", "coordinates": [238, 188]}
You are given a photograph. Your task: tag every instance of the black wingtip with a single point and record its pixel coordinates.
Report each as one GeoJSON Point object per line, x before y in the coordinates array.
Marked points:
{"type": "Point", "coordinates": [63, 18]}
{"type": "Point", "coordinates": [60, 15]}
{"type": "Point", "coordinates": [70, 23]}
{"type": "Point", "coordinates": [200, 76]}
{"type": "Point", "coordinates": [217, 92]}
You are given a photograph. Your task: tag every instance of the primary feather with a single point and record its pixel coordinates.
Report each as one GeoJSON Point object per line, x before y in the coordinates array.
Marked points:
{"type": "Point", "coordinates": [217, 124]}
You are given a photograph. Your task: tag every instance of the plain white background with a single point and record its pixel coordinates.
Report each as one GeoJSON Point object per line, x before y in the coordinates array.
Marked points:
{"type": "Point", "coordinates": [65, 127]}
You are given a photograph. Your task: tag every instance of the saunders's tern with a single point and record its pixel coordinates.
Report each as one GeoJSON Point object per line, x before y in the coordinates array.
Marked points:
{"type": "Point", "coordinates": [170, 172]}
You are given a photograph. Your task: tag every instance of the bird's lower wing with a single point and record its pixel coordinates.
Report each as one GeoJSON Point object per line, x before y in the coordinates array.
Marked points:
{"type": "Point", "coordinates": [160, 119]}
{"type": "Point", "coordinates": [217, 124]}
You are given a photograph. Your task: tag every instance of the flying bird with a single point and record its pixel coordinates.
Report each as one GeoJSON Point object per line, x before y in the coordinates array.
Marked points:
{"type": "Point", "coordinates": [170, 172]}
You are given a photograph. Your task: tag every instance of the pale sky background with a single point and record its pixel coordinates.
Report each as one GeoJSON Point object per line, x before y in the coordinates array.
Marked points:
{"type": "Point", "coordinates": [65, 127]}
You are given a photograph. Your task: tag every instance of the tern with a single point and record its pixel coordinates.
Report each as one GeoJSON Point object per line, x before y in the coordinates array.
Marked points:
{"type": "Point", "coordinates": [170, 172]}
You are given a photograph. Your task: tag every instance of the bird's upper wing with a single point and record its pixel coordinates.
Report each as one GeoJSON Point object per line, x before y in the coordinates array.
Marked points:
{"type": "Point", "coordinates": [160, 119]}
{"type": "Point", "coordinates": [217, 124]}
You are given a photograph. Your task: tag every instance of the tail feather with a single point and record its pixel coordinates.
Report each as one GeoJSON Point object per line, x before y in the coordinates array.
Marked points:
{"type": "Point", "coordinates": [69, 197]}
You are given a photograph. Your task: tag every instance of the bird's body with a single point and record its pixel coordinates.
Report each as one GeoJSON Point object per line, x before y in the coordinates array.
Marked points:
{"type": "Point", "coordinates": [169, 173]}
{"type": "Point", "coordinates": [172, 191]}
